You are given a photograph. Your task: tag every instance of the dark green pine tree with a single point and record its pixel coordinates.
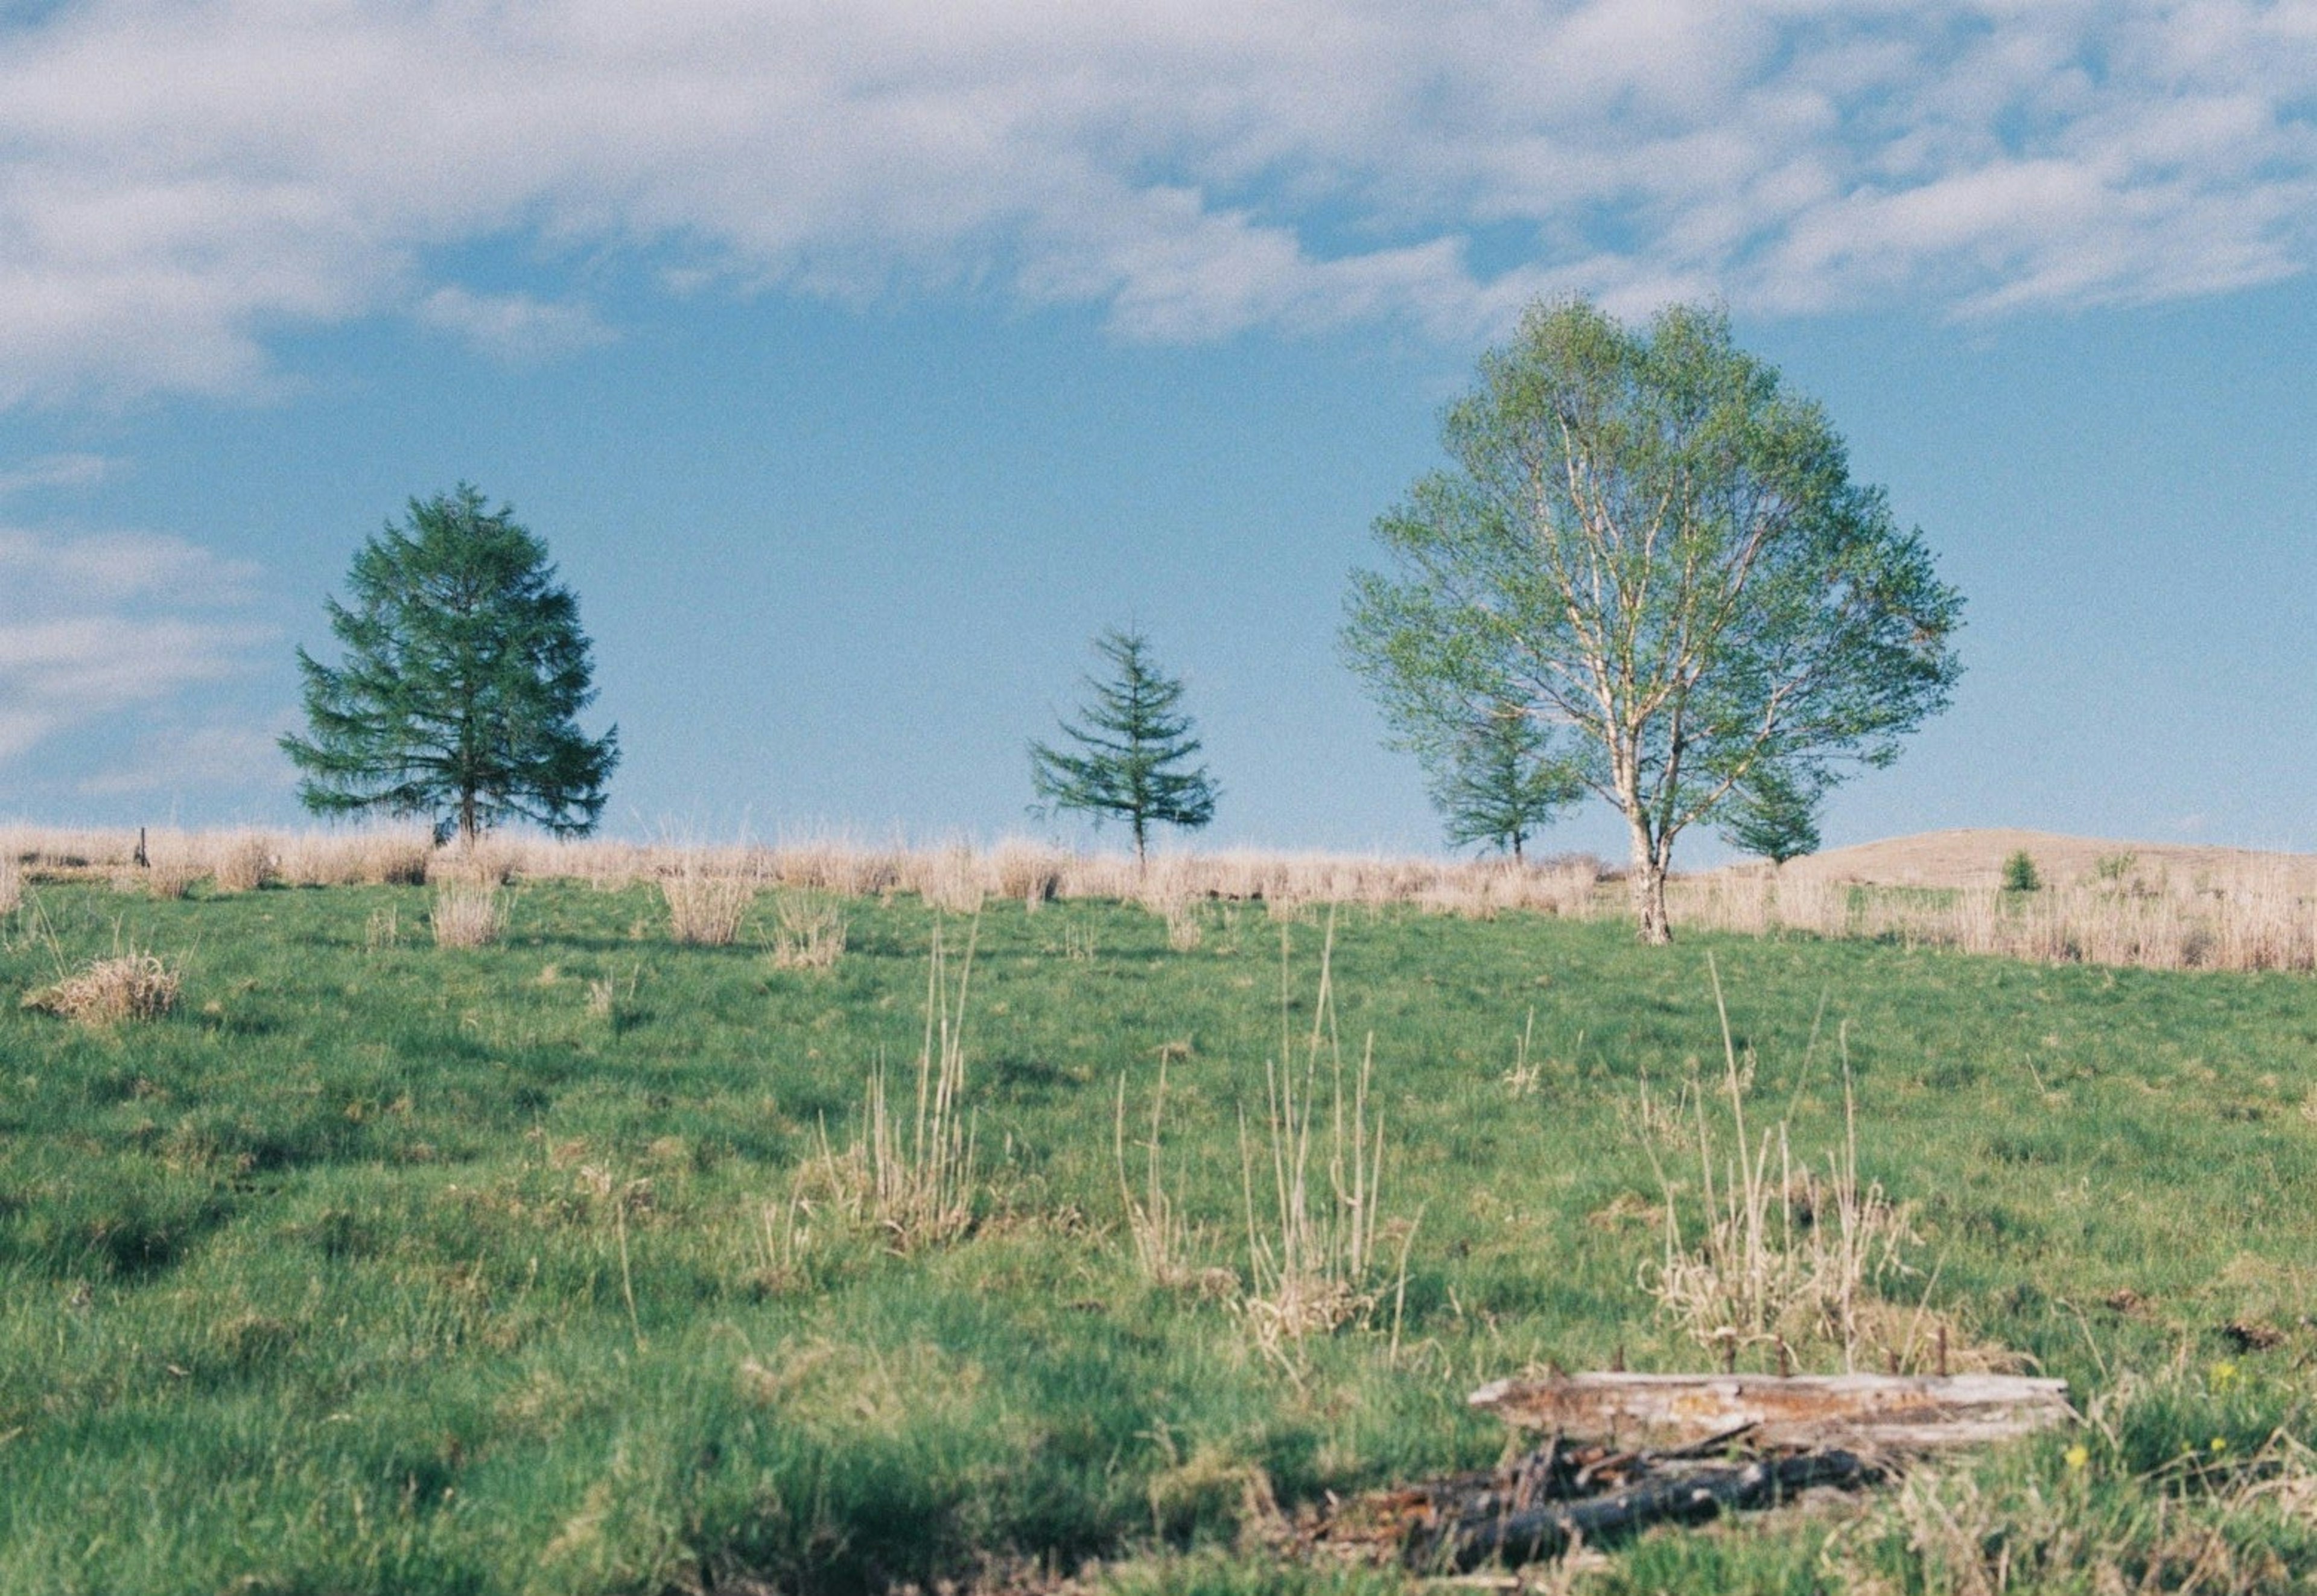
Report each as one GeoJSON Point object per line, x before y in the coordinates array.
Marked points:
{"type": "Point", "coordinates": [464, 669]}
{"type": "Point", "coordinates": [1499, 785]}
{"type": "Point", "coordinates": [1772, 813]}
{"type": "Point", "coordinates": [1133, 738]}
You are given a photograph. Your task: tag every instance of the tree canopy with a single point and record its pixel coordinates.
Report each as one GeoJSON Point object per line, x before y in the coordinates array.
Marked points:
{"type": "Point", "coordinates": [1133, 740]}
{"type": "Point", "coordinates": [464, 671]}
{"type": "Point", "coordinates": [1643, 537]}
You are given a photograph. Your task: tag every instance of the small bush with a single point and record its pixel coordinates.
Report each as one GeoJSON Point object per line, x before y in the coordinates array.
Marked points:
{"type": "Point", "coordinates": [130, 985]}
{"type": "Point", "coordinates": [706, 907]}
{"type": "Point", "coordinates": [2019, 874]}
{"type": "Point", "coordinates": [469, 914]}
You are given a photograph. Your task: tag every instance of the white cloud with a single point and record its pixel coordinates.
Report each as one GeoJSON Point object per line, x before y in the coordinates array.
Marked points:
{"type": "Point", "coordinates": [54, 470]}
{"type": "Point", "coordinates": [512, 327]}
{"type": "Point", "coordinates": [93, 626]}
{"type": "Point", "coordinates": [215, 756]}
{"type": "Point", "coordinates": [180, 179]}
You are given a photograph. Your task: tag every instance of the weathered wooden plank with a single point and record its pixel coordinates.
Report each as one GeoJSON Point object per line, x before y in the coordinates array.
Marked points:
{"type": "Point", "coordinates": [1871, 1412]}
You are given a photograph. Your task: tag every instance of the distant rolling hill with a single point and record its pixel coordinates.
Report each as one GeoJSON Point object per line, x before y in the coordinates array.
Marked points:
{"type": "Point", "coordinates": [1974, 858]}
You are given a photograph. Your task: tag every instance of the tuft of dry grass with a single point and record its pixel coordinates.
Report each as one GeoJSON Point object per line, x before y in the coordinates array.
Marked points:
{"type": "Point", "coordinates": [242, 863]}
{"type": "Point", "coordinates": [1161, 1238]}
{"type": "Point", "coordinates": [810, 931]}
{"type": "Point", "coordinates": [705, 907]}
{"type": "Point", "coordinates": [11, 884]}
{"type": "Point", "coordinates": [1786, 1256]}
{"type": "Point", "coordinates": [1311, 1262]}
{"type": "Point", "coordinates": [951, 881]}
{"type": "Point", "coordinates": [911, 1177]}
{"type": "Point", "coordinates": [130, 985]}
{"type": "Point", "coordinates": [469, 913]}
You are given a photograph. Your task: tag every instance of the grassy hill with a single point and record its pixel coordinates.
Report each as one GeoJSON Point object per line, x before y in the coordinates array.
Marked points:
{"type": "Point", "coordinates": [573, 1263]}
{"type": "Point", "coordinates": [1975, 857]}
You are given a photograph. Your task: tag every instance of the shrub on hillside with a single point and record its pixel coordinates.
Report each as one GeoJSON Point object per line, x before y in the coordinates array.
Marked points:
{"type": "Point", "coordinates": [2020, 874]}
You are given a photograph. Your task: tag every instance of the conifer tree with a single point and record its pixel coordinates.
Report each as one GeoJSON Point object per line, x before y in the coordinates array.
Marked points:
{"type": "Point", "coordinates": [1498, 784]}
{"type": "Point", "coordinates": [1133, 740]}
{"type": "Point", "coordinates": [464, 667]}
{"type": "Point", "coordinates": [1772, 814]}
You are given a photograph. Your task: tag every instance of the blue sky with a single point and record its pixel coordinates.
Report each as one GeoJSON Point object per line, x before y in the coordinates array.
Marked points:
{"type": "Point", "coordinates": [859, 361]}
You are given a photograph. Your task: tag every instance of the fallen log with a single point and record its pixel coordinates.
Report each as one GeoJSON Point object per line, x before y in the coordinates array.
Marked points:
{"type": "Point", "coordinates": [1548, 1528]}
{"type": "Point", "coordinates": [1872, 1415]}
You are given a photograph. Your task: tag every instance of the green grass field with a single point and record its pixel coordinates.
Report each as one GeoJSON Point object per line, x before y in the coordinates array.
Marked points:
{"type": "Point", "coordinates": [377, 1266]}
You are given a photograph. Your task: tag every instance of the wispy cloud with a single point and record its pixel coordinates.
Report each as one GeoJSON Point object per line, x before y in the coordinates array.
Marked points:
{"type": "Point", "coordinates": [513, 327]}
{"type": "Point", "coordinates": [238, 756]}
{"type": "Point", "coordinates": [180, 179]}
{"type": "Point", "coordinates": [54, 470]}
{"type": "Point", "coordinates": [94, 626]}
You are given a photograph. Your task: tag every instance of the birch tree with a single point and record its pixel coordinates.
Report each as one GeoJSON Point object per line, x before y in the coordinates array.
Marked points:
{"type": "Point", "coordinates": [1644, 537]}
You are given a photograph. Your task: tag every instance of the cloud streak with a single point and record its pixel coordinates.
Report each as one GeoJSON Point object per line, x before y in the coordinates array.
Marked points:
{"type": "Point", "coordinates": [92, 626]}
{"type": "Point", "coordinates": [180, 179]}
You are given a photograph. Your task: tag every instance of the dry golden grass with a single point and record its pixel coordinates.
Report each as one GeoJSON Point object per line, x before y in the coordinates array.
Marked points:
{"type": "Point", "coordinates": [1787, 1257]}
{"type": "Point", "coordinates": [469, 913]}
{"type": "Point", "coordinates": [910, 1177]}
{"type": "Point", "coordinates": [11, 884]}
{"type": "Point", "coordinates": [2166, 907]}
{"type": "Point", "coordinates": [1311, 1262]}
{"type": "Point", "coordinates": [130, 985]}
{"type": "Point", "coordinates": [705, 906]}
{"type": "Point", "coordinates": [810, 930]}
{"type": "Point", "coordinates": [241, 863]}
{"type": "Point", "coordinates": [2250, 912]}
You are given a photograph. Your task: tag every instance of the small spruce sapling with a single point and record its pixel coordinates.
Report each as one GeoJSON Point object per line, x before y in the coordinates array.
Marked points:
{"type": "Point", "coordinates": [1133, 742]}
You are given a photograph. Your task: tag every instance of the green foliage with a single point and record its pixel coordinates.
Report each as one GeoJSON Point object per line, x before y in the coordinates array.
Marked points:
{"type": "Point", "coordinates": [319, 1283]}
{"type": "Point", "coordinates": [1133, 737]}
{"type": "Point", "coordinates": [1772, 814]}
{"type": "Point", "coordinates": [1642, 536]}
{"type": "Point", "coordinates": [464, 669]}
{"type": "Point", "coordinates": [2020, 874]}
{"type": "Point", "coordinates": [1499, 783]}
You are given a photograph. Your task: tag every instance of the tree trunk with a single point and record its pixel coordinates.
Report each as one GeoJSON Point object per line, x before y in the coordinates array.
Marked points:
{"type": "Point", "coordinates": [1648, 876]}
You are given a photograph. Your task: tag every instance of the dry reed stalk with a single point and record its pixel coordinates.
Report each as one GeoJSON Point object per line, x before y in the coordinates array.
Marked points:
{"type": "Point", "coordinates": [1160, 1236]}
{"type": "Point", "coordinates": [1784, 1257]}
{"type": "Point", "coordinates": [128, 986]}
{"type": "Point", "coordinates": [921, 1185]}
{"type": "Point", "coordinates": [469, 913]}
{"type": "Point", "coordinates": [1309, 1263]}
{"type": "Point", "coordinates": [812, 930]}
{"type": "Point", "coordinates": [12, 884]}
{"type": "Point", "coordinates": [705, 907]}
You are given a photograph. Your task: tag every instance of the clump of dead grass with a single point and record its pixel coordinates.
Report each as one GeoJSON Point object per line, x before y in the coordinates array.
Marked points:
{"type": "Point", "coordinates": [1787, 1256]}
{"type": "Point", "coordinates": [130, 985]}
{"type": "Point", "coordinates": [11, 884]}
{"type": "Point", "coordinates": [1311, 1263]}
{"type": "Point", "coordinates": [910, 1176]}
{"type": "Point", "coordinates": [705, 906]}
{"type": "Point", "coordinates": [469, 913]}
{"type": "Point", "coordinates": [241, 864]}
{"type": "Point", "coordinates": [810, 930]}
